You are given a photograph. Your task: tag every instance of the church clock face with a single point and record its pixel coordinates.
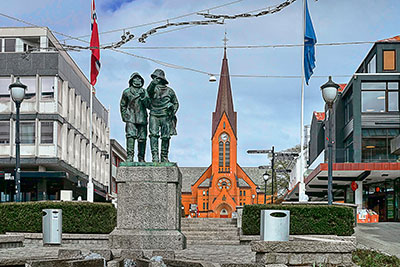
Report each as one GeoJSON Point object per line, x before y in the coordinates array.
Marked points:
{"type": "Point", "coordinates": [224, 137]}
{"type": "Point", "coordinates": [224, 182]}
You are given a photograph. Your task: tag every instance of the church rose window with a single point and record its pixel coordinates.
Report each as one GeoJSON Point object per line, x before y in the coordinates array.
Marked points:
{"type": "Point", "coordinates": [224, 182]}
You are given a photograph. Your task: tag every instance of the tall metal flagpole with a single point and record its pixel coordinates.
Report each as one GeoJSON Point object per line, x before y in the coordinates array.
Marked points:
{"type": "Point", "coordinates": [90, 191]}
{"type": "Point", "coordinates": [301, 185]}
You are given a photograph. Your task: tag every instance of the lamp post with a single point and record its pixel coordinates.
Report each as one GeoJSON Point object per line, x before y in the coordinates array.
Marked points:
{"type": "Point", "coordinates": [17, 91]}
{"type": "Point", "coordinates": [329, 94]}
{"type": "Point", "coordinates": [258, 192]}
{"type": "Point", "coordinates": [266, 177]}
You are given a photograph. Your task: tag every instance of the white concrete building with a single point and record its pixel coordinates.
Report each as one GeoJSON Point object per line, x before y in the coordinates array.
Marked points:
{"type": "Point", "coordinates": [55, 120]}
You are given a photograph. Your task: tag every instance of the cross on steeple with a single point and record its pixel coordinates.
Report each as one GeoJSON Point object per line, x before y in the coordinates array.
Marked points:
{"type": "Point", "coordinates": [225, 40]}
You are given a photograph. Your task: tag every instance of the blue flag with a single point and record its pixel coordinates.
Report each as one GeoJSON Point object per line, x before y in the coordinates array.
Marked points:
{"type": "Point", "coordinates": [309, 46]}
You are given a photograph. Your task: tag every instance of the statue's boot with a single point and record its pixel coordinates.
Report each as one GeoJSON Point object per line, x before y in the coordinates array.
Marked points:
{"type": "Point", "coordinates": [141, 150]}
{"type": "Point", "coordinates": [164, 150]}
{"type": "Point", "coordinates": [154, 149]}
{"type": "Point", "coordinates": [130, 149]}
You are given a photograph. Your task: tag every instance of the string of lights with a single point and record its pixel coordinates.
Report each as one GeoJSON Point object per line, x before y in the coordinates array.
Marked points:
{"type": "Point", "coordinates": [159, 21]}
{"type": "Point", "coordinates": [265, 11]}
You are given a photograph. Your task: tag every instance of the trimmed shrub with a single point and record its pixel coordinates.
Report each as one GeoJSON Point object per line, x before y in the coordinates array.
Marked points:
{"type": "Point", "coordinates": [78, 217]}
{"type": "Point", "coordinates": [304, 219]}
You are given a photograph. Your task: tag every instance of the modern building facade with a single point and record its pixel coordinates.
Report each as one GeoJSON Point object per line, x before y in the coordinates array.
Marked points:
{"type": "Point", "coordinates": [55, 118]}
{"type": "Point", "coordinates": [224, 185]}
{"type": "Point", "coordinates": [117, 155]}
{"type": "Point", "coordinates": [366, 127]}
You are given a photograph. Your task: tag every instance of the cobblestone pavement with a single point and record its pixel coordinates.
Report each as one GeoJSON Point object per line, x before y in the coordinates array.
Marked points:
{"type": "Point", "coordinates": [383, 236]}
{"type": "Point", "coordinates": [218, 253]}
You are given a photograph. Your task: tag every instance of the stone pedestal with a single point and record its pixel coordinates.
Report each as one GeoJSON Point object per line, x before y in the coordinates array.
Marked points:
{"type": "Point", "coordinates": [148, 210]}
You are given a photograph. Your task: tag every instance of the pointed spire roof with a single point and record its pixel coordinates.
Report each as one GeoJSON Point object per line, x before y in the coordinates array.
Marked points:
{"type": "Point", "coordinates": [224, 99]}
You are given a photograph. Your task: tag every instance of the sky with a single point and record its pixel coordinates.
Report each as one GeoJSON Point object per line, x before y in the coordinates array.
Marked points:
{"type": "Point", "coordinates": [268, 108]}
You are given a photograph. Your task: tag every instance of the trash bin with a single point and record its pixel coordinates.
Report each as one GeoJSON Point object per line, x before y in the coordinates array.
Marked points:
{"type": "Point", "coordinates": [274, 225]}
{"type": "Point", "coordinates": [52, 226]}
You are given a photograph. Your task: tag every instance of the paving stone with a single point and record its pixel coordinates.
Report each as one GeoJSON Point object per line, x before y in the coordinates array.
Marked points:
{"type": "Point", "coordinates": [86, 263]}
{"type": "Point", "coordinates": [295, 259]}
{"type": "Point", "coordinates": [69, 253]}
{"type": "Point", "coordinates": [105, 253]}
{"type": "Point", "coordinates": [115, 263]}
{"type": "Point", "coordinates": [131, 254]}
{"type": "Point", "coordinates": [335, 258]}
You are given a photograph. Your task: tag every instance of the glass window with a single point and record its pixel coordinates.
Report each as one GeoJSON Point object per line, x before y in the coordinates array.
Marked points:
{"type": "Point", "coordinates": [46, 132]}
{"type": "Point", "coordinates": [393, 101]}
{"type": "Point", "coordinates": [30, 82]}
{"type": "Point", "coordinates": [373, 86]}
{"type": "Point", "coordinates": [371, 68]}
{"type": "Point", "coordinates": [389, 60]}
{"type": "Point", "coordinates": [47, 84]}
{"type": "Point", "coordinates": [227, 154]}
{"type": "Point", "coordinates": [377, 150]}
{"type": "Point", "coordinates": [221, 154]}
{"type": "Point", "coordinates": [244, 193]}
{"type": "Point", "coordinates": [59, 89]}
{"type": "Point", "coordinates": [4, 132]}
{"type": "Point", "coordinates": [1, 45]}
{"type": "Point", "coordinates": [373, 101]}
{"type": "Point", "coordinates": [393, 85]}
{"type": "Point", "coordinates": [9, 45]}
{"type": "Point", "coordinates": [27, 132]}
{"type": "Point", "coordinates": [4, 83]}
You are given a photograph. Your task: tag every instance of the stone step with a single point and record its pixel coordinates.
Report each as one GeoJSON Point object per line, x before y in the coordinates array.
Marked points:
{"type": "Point", "coordinates": [207, 228]}
{"type": "Point", "coordinates": [211, 237]}
{"type": "Point", "coordinates": [208, 221]}
{"type": "Point", "coordinates": [216, 232]}
{"type": "Point", "coordinates": [213, 242]}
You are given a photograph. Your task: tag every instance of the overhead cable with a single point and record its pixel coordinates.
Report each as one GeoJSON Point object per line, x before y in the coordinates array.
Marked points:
{"type": "Point", "coordinates": [265, 11]}
{"type": "Point", "coordinates": [160, 21]}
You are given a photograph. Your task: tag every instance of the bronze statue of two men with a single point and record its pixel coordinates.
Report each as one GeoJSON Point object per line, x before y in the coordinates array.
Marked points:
{"type": "Point", "coordinates": [162, 103]}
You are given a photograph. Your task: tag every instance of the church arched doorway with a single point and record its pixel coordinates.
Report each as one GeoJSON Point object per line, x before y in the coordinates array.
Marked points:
{"type": "Point", "coordinates": [224, 211]}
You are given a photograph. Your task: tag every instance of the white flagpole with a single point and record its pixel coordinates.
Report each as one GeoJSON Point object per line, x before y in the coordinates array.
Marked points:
{"type": "Point", "coordinates": [90, 191]}
{"type": "Point", "coordinates": [302, 185]}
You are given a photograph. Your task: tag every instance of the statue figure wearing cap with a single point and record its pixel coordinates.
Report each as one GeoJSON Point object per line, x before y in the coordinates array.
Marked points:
{"type": "Point", "coordinates": [133, 106]}
{"type": "Point", "coordinates": [163, 107]}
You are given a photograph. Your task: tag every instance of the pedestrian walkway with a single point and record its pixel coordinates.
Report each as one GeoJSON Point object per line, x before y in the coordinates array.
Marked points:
{"type": "Point", "coordinates": [383, 236]}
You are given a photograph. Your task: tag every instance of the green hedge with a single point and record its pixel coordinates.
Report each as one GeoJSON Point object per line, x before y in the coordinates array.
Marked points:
{"type": "Point", "coordinates": [78, 217]}
{"type": "Point", "coordinates": [304, 219]}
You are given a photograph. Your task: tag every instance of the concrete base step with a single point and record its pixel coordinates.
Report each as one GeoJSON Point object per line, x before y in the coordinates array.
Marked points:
{"type": "Point", "coordinates": [213, 242]}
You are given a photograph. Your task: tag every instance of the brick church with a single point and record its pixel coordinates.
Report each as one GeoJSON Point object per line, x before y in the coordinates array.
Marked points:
{"type": "Point", "coordinates": [214, 192]}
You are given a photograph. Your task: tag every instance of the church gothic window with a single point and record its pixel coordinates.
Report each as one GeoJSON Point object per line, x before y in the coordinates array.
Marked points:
{"type": "Point", "coordinates": [224, 153]}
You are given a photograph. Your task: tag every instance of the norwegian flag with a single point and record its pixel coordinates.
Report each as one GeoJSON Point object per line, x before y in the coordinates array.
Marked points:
{"type": "Point", "coordinates": [94, 44]}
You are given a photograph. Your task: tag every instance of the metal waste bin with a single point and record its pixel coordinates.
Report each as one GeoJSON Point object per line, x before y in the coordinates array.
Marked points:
{"type": "Point", "coordinates": [274, 225]}
{"type": "Point", "coordinates": [52, 226]}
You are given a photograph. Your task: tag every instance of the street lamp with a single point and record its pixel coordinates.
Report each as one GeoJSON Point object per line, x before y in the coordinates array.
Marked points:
{"type": "Point", "coordinates": [329, 93]}
{"type": "Point", "coordinates": [17, 91]}
{"type": "Point", "coordinates": [266, 177]}
{"type": "Point", "coordinates": [258, 192]}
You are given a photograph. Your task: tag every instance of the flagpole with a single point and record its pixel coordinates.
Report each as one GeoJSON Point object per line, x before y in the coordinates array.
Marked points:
{"type": "Point", "coordinates": [301, 185]}
{"type": "Point", "coordinates": [90, 188]}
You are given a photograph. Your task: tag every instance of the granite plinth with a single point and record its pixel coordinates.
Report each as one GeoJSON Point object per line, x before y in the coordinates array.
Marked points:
{"type": "Point", "coordinates": [148, 210]}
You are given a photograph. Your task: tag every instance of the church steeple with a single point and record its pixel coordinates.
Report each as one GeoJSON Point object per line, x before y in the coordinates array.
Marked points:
{"type": "Point", "coordinates": [224, 99]}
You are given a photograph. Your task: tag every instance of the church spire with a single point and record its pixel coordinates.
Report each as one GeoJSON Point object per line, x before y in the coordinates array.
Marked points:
{"type": "Point", "coordinates": [224, 99]}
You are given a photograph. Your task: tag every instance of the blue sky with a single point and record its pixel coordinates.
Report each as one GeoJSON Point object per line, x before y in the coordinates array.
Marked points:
{"type": "Point", "coordinates": [268, 108]}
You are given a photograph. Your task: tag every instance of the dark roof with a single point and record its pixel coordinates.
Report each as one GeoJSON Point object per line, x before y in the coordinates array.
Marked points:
{"type": "Point", "coordinates": [224, 99]}
{"type": "Point", "coordinates": [242, 183]}
{"type": "Point", "coordinates": [191, 174]}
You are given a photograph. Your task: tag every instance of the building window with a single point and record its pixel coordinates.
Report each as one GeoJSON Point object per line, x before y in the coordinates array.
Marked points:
{"type": "Point", "coordinates": [376, 145]}
{"type": "Point", "coordinates": [227, 154]}
{"type": "Point", "coordinates": [47, 87]}
{"type": "Point", "coordinates": [207, 205]}
{"type": "Point", "coordinates": [27, 132]}
{"type": "Point", "coordinates": [30, 82]}
{"type": "Point", "coordinates": [380, 96]}
{"type": "Point", "coordinates": [389, 60]}
{"type": "Point", "coordinates": [9, 45]}
{"type": "Point", "coordinates": [371, 67]}
{"type": "Point", "coordinates": [4, 132]}
{"type": "Point", "coordinates": [349, 151]}
{"type": "Point", "coordinates": [4, 83]}
{"type": "Point", "coordinates": [348, 106]}
{"type": "Point", "coordinates": [1, 45]}
{"type": "Point", "coordinates": [204, 192]}
{"type": "Point", "coordinates": [46, 132]}
{"type": "Point", "coordinates": [240, 193]}
{"type": "Point", "coordinates": [207, 192]}
{"type": "Point", "coordinates": [244, 193]}
{"type": "Point", "coordinates": [221, 154]}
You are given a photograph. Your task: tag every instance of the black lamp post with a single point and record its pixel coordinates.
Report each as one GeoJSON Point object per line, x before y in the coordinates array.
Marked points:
{"type": "Point", "coordinates": [17, 91]}
{"type": "Point", "coordinates": [258, 192]}
{"type": "Point", "coordinates": [329, 93]}
{"type": "Point", "coordinates": [266, 177]}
